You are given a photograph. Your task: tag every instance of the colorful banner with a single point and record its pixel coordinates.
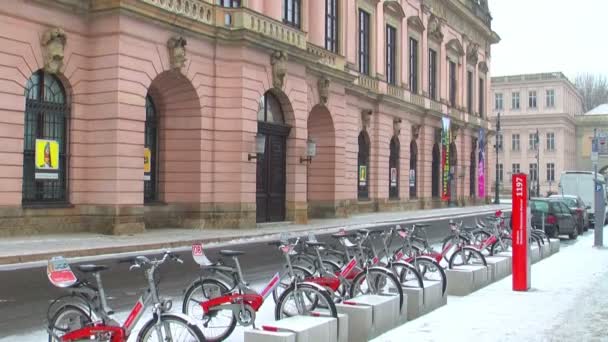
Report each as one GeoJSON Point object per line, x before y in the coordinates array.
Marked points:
{"type": "Point", "coordinates": [47, 159]}
{"type": "Point", "coordinates": [445, 158]}
{"type": "Point", "coordinates": [147, 163]}
{"type": "Point", "coordinates": [481, 167]}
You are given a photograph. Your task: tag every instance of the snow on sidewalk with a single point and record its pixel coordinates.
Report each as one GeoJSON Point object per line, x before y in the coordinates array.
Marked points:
{"type": "Point", "coordinates": [568, 302]}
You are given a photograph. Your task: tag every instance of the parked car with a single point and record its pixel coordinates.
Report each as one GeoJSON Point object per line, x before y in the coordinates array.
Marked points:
{"type": "Point", "coordinates": [558, 218]}
{"type": "Point", "coordinates": [581, 183]}
{"type": "Point", "coordinates": [577, 208]}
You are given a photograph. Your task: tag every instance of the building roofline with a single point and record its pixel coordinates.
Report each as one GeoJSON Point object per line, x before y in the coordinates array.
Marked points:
{"type": "Point", "coordinates": [536, 77]}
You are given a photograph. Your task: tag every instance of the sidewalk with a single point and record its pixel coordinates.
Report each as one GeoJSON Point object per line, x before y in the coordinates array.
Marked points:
{"type": "Point", "coordinates": [568, 302]}
{"type": "Point", "coordinates": [16, 250]}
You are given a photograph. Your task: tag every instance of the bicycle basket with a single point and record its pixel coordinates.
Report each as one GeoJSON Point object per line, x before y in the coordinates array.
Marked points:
{"type": "Point", "coordinates": [60, 273]}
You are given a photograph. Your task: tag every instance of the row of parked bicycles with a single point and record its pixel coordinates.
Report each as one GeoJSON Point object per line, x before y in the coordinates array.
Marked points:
{"type": "Point", "coordinates": [316, 276]}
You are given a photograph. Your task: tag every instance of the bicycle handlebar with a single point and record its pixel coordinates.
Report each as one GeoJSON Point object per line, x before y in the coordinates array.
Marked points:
{"type": "Point", "coordinates": [140, 260]}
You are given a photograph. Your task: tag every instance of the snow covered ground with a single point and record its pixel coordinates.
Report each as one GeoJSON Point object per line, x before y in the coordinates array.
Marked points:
{"type": "Point", "coordinates": [568, 302]}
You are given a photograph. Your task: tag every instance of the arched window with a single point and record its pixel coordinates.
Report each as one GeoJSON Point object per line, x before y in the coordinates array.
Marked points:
{"type": "Point", "coordinates": [151, 152]}
{"type": "Point", "coordinates": [393, 167]}
{"type": "Point", "coordinates": [413, 169]}
{"type": "Point", "coordinates": [270, 109]}
{"type": "Point", "coordinates": [363, 167]}
{"type": "Point", "coordinates": [435, 171]}
{"type": "Point", "coordinates": [45, 140]}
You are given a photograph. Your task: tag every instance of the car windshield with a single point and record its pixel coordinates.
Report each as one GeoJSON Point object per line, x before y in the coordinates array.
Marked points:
{"type": "Point", "coordinates": [570, 202]}
{"type": "Point", "coordinates": [539, 206]}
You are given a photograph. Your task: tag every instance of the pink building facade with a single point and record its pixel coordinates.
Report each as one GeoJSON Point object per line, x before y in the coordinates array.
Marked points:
{"type": "Point", "coordinates": [244, 111]}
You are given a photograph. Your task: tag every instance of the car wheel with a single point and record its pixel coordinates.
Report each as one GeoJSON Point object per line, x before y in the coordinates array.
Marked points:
{"type": "Point", "coordinates": [573, 235]}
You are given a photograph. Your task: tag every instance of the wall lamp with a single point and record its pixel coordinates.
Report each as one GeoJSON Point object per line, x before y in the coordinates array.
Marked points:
{"type": "Point", "coordinates": [260, 146]}
{"type": "Point", "coordinates": [311, 151]}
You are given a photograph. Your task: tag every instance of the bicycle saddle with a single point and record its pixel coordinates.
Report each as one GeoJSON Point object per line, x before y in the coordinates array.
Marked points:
{"type": "Point", "coordinates": [315, 243]}
{"type": "Point", "coordinates": [230, 253]}
{"type": "Point", "coordinates": [343, 235]}
{"type": "Point", "coordinates": [370, 232]}
{"type": "Point", "coordinates": [90, 268]}
{"type": "Point", "coordinates": [422, 225]}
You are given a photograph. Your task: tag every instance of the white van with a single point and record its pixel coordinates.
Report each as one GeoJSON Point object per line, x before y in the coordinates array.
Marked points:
{"type": "Point", "coordinates": [581, 183]}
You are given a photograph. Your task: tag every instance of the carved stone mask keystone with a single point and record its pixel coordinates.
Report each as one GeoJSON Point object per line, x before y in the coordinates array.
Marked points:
{"type": "Point", "coordinates": [53, 44]}
{"type": "Point", "coordinates": [323, 85]}
{"type": "Point", "coordinates": [278, 60]}
{"type": "Point", "coordinates": [177, 51]}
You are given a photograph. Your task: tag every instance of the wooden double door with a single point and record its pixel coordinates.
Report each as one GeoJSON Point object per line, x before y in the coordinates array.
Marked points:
{"type": "Point", "coordinates": [271, 173]}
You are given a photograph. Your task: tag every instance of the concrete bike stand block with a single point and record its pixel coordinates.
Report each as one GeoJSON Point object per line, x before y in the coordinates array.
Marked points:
{"type": "Point", "coordinates": [545, 250]}
{"type": "Point", "coordinates": [342, 325]}
{"type": "Point", "coordinates": [414, 305]}
{"type": "Point", "coordinates": [498, 267]}
{"type": "Point", "coordinates": [385, 312]}
{"type": "Point", "coordinates": [360, 320]}
{"type": "Point", "coordinates": [535, 254]}
{"type": "Point", "coordinates": [433, 297]}
{"type": "Point", "coordinates": [309, 328]}
{"type": "Point", "coordinates": [269, 336]}
{"type": "Point", "coordinates": [464, 280]}
{"type": "Point", "coordinates": [554, 245]}
{"type": "Point", "coordinates": [509, 256]}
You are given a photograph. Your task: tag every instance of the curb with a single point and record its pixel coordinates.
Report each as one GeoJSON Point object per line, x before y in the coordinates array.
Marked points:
{"type": "Point", "coordinates": [74, 253]}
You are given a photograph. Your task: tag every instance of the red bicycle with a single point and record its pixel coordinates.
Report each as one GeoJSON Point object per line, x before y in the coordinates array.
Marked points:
{"type": "Point", "coordinates": [223, 298]}
{"type": "Point", "coordinates": [84, 315]}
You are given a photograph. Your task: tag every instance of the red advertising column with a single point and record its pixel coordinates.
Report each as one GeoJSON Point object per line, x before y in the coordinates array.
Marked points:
{"type": "Point", "coordinates": [520, 259]}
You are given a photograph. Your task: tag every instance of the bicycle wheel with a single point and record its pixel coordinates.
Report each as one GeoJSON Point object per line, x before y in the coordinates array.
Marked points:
{"type": "Point", "coordinates": [286, 280]}
{"type": "Point", "coordinates": [452, 239]}
{"type": "Point", "coordinates": [377, 281]}
{"type": "Point", "coordinates": [467, 256]}
{"type": "Point", "coordinates": [171, 328]}
{"type": "Point", "coordinates": [67, 318]}
{"type": "Point", "coordinates": [430, 269]}
{"type": "Point", "coordinates": [305, 261]}
{"type": "Point", "coordinates": [305, 299]}
{"type": "Point", "coordinates": [498, 248]}
{"type": "Point", "coordinates": [407, 274]}
{"type": "Point", "coordinates": [217, 325]}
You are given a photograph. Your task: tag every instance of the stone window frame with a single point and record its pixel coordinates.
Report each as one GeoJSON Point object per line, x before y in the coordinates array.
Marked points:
{"type": "Point", "coordinates": [435, 46]}
{"type": "Point", "coordinates": [547, 97]}
{"type": "Point", "coordinates": [532, 97]}
{"type": "Point", "coordinates": [394, 17]}
{"type": "Point", "coordinates": [368, 6]}
{"type": "Point", "coordinates": [513, 93]}
{"type": "Point", "coordinates": [455, 53]}
{"type": "Point", "coordinates": [502, 102]}
{"type": "Point", "coordinates": [415, 29]}
{"type": "Point", "coordinates": [338, 29]}
{"type": "Point", "coordinates": [482, 74]}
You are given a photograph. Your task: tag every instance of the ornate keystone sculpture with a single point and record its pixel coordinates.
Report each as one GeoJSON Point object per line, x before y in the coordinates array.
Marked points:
{"type": "Point", "coordinates": [323, 85]}
{"type": "Point", "coordinates": [53, 43]}
{"type": "Point", "coordinates": [177, 51]}
{"type": "Point", "coordinates": [434, 28]}
{"type": "Point", "coordinates": [396, 127]}
{"type": "Point", "coordinates": [366, 115]}
{"type": "Point", "coordinates": [278, 60]}
{"type": "Point", "coordinates": [472, 50]}
{"type": "Point", "coordinates": [416, 131]}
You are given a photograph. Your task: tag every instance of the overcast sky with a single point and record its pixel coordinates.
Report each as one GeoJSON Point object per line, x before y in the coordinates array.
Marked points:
{"type": "Point", "coordinates": [550, 35]}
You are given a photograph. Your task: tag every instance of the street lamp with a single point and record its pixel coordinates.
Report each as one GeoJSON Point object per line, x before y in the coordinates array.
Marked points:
{"type": "Point", "coordinates": [497, 147]}
{"type": "Point", "coordinates": [260, 146]}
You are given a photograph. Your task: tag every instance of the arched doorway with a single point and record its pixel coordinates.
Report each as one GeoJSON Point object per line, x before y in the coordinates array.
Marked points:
{"type": "Point", "coordinates": [45, 140]}
{"type": "Point", "coordinates": [435, 171]}
{"type": "Point", "coordinates": [150, 152]}
{"type": "Point", "coordinates": [394, 171]}
{"type": "Point", "coordinates": [363, 166]}
{"type": "Point", "coordinates": [473, 170]}
{"type": "Point", "coordinates": [413, 169]}
{"type": "Point", "coordinates": [321, 182]}
{"type": "Point", "coordinates": [271, 166]}
{"type": "Point", "coordinates": [453, 173]}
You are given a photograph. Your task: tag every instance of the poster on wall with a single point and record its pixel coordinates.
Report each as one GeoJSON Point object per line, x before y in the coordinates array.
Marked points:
{"type": "Point", "coordinates": [393, 177]}
{"type": "Point", "coordinates": [445, 158]}
{"type": "Point", "coordinates": [47, 159]}
{"type": "Point", "coordinates": [481, 189]}
{"type": "Point", "coordinates": [412, 178]}
{"type": "Point", "coordinates": [362, 175]}
{"type": "Point", "coordinates": [147, 163]}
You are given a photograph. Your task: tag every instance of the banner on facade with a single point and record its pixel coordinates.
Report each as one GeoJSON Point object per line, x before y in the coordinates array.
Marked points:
{"type": "Point", "coordinates": [412, 178]}
{"type": "Point", "coordinates": [481, 167]}
{"type": "Point", "coordinates": [47, 159]}
{"type": "Point", "coordinates": [393, 177]}
{"type": "Point", "coordinates": [147, 163]}
{"type": "Point", "coordinates": [445, 159]}
{"type": "Point", "coordinates": [362, 175]}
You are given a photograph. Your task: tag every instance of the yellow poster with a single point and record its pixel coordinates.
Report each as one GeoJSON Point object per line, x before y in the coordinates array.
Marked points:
{"type": "Point", "coordinates": [362, 174]}
{"type": "Point", "coordinates": [147, 160]}
{"type": "Point", "coordinates": [47, 154]}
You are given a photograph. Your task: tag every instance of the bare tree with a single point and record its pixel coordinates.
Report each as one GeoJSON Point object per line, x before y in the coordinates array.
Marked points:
{"type": "Point", "coordinates": [593, 88]}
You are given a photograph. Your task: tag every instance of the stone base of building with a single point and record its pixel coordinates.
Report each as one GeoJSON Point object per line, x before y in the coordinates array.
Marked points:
{"type": "Point", "coordinates": [328, 209]}
{"type": "Point", "coordinates": [200, 215]}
